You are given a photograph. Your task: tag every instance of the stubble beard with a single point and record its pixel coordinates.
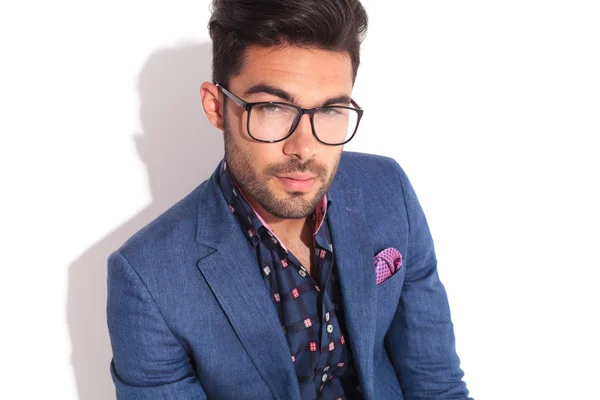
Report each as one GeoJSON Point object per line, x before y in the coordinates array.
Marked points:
{"type": "Point", "coordinates": [294, 205]}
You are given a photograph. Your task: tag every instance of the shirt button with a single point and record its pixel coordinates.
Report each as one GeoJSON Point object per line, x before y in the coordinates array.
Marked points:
{"type": "Point", "coordinates": [329, 328]}
{"type": "Point", "coordinates": [302, 273]}
{"type": "Point", "coordinates": [324, 378]}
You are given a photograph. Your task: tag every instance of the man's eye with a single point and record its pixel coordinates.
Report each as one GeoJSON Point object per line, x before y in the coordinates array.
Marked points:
{"type": "Point", "coordinates": [329, 111]}
{"type": "Point", "coordinates": [269, 108]}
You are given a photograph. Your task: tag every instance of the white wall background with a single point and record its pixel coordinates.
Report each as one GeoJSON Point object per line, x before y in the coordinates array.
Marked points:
{"type": "Point", "coordinates": [492, 108]}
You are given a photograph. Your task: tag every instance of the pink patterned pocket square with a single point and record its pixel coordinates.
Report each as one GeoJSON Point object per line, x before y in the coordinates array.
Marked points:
{"type": "Point", "coordinates": [387, 263]}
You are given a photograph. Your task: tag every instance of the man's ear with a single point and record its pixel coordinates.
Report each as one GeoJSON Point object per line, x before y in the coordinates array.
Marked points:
{"type": "Point", "coordinates": [212, 104]}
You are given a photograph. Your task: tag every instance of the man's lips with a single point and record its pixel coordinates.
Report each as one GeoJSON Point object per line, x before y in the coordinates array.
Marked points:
{"type": "Point", "coordinates": [298, 182]}
{"type": "Point", "coordinates": [298, 177]}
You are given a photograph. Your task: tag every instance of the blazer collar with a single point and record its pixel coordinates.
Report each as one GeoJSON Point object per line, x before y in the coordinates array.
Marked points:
{"type": "Point", "coordinates": [214, 220]}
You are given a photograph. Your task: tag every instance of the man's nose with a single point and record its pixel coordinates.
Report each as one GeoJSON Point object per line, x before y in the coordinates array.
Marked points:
{"type": "Point", "coordinates": [301, 144]}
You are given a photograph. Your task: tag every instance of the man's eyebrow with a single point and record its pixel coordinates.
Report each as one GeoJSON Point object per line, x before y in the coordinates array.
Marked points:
{"type": "Point", "coordinates": [343, 99]}
{"type": "Point", "coordinates": [282, 94]}
{"type": "Point", "coordinates": [272, 90]}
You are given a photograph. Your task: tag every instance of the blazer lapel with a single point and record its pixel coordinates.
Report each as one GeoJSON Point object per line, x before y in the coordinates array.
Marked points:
{"type": "Point", "coordinates": [353, 253]}
{"type": "Point", "coordinates": [231, 271]}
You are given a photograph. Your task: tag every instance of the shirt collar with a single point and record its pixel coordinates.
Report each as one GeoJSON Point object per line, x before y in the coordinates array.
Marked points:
{"type": "Point", "coordinates": [251, 220]}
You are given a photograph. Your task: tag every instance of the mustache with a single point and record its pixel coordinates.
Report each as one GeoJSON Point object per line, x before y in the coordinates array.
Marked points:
{"type": "Point", "coordinates": [295, 165]}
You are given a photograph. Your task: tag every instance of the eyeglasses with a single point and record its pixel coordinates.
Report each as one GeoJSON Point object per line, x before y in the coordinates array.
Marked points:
{"type": "Point", "coordinates": [272, 121]}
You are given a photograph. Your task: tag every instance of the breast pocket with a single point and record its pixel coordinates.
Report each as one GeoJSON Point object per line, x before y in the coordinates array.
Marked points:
{"type": "Point", "coordinates": [388, 296]}
{"type": "Point", "coordinates": [389, 287]}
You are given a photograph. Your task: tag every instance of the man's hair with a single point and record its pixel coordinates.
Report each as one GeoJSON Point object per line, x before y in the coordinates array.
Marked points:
{"type": "Point", "coordinates": [333, 25]}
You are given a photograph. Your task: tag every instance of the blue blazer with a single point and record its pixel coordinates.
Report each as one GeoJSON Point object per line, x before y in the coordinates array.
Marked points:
{"type": "Point", "coordinates": [189, 316]}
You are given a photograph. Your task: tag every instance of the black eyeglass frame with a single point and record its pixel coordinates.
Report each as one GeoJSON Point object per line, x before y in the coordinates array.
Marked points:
{"type": "Point", "coordinates": [301, 111]}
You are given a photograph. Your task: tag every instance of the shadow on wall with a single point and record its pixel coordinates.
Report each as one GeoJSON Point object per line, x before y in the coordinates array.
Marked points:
{"type": "Point", "coordinates": [180, 149]}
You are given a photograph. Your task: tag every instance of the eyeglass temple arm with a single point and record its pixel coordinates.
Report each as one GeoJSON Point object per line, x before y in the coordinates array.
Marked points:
{"type": "Point", "coordinates": [232, 96]}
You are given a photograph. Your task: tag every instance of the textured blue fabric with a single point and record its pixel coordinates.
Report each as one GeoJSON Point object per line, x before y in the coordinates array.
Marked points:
{"type": "Point", "coordinates": [309, 311]}
{"type": "Point", "coordinates": [188, 312]}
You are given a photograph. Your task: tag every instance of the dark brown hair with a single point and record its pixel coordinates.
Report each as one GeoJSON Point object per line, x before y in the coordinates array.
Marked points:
{"type": "Point", "coordinates": [335, 25]}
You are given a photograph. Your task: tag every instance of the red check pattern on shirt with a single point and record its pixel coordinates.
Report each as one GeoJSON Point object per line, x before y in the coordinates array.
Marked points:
{"type": "Point", "coordinates": [309, 310]}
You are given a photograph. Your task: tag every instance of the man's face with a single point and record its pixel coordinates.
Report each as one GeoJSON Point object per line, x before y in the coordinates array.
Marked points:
{"type": "Point", "coordinates": [288, 178]}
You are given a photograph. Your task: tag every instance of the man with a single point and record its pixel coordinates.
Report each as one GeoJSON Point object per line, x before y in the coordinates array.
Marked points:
{"type": "Point", "coordinates": [296, 271]}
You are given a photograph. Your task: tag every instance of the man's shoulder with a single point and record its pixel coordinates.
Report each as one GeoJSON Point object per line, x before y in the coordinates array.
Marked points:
{"type": "Point", "coordinates": [380, 180]}
{"type": "Point", "coordinates": [365, 161]}
{"type": "Point", "coordinates": [368, 171]}
{"type": "Point", "coordinates": [171, 229]}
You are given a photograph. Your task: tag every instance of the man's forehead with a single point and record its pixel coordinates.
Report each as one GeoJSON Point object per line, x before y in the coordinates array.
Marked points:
{"type": "Point", "coordinates": [305, 73]}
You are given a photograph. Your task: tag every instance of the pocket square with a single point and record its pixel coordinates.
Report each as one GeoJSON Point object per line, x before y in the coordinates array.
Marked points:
{"type": "Point", "coordinates": [387, 263]}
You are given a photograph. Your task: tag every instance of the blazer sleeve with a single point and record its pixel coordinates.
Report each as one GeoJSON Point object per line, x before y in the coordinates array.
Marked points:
{"type": "Point", "coordinates": [148, 361]}
{"type": "Point", "coordinates": [420, 341]}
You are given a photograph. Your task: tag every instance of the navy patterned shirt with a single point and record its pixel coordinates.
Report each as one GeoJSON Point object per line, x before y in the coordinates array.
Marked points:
{"type": "Point", "coordinates": [309, 310]}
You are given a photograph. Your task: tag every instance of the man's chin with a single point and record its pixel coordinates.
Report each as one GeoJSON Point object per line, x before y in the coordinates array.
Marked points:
{"type": "Point", "coordinates": [292, 206]}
